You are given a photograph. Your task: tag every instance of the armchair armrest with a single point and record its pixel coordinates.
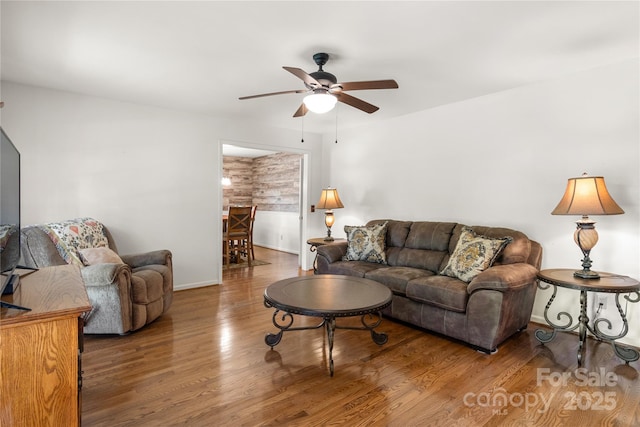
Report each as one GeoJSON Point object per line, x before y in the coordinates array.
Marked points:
{"type": "Point", "coordinates": [103, 274]}
{"type": "Point", "coordinates": [504, 277]}
{"type": "Point", "coordinates": [159, 257]}
{"type": "Point", "coordinates": [332, 252]}
{"type": "Point", "coordinates": [109, 290]}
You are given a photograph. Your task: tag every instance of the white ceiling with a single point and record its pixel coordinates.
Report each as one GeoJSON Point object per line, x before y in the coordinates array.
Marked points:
{"type": "Point", "coordinates": [200, 56]}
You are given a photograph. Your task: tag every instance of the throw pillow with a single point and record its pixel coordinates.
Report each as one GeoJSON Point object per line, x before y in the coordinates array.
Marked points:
{"type": "Point", "coordinates": [473, 254]}
{"type": "Point", "coordinates": [366, 243]}
{"type": "Point", "coordinates": [101, 255]}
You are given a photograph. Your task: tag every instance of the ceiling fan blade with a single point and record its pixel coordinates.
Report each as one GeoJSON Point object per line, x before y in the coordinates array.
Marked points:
{"type": "Point", "coordinates": [273, 93]}
{"type": "Point", "coordinates": [302, 75]}
{"type": "Point", "coordinates": [301, 111]}
{"type": "Point", "coordinates": [372, 84]}
{"type": "Point", "coordinates": [356, 102]}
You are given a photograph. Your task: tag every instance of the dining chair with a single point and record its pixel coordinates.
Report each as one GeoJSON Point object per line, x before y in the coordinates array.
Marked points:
{"type": "Point", "coordinates": [254, 208]}
{"type": "Point", "coordinates": [236, 237]}
{"type": "Point", "coordinates": [249, 243]}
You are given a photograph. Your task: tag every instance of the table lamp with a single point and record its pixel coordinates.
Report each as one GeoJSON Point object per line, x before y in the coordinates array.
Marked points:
{"type": "Point", "coordinates": [329, 200]}
{"type": "Point", "coordinates": [586, 195]}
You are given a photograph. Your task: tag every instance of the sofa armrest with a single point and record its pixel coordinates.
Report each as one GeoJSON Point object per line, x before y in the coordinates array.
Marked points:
{"type": "Point", "coordinates": [159, 257]}
{"type": "Point", "coordinates": [332, 252]}
{"type": "Point", "coordinates": [504, 277]}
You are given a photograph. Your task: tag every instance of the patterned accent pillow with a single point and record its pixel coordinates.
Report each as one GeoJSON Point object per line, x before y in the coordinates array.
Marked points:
{"type": "Point", "coordinates": [101, 255]}
{"type": "Point", "coordinates": [76, 234]}
{"type": "Point", "coordinates": [366, 243]}
{"type": "Point", "coordinates": [473, 254]}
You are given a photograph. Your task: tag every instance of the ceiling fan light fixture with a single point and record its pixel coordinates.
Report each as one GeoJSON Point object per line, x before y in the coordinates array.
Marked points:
{"type": "Point", "coordinates": [320, 103]}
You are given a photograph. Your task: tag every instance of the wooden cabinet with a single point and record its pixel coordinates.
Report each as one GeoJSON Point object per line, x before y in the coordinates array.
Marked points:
{"type": "Point", "coordinates": [40, 350]}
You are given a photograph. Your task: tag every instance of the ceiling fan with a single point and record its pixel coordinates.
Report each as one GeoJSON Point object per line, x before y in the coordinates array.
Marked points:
{"type": "Point", "coordinates": [323, 88]}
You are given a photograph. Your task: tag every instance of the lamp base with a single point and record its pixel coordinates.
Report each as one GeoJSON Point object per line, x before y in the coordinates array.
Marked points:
{"type": "Point", "coordinates": [329, 219]}
{"type": "Point", "coordinates": [586, 238]}
{"type": "Point", "coordinates": [586, 274]}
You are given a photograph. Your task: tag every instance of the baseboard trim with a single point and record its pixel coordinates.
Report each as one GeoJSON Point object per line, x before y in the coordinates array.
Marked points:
{"type": "Point", "coordinates": [186, 286]}
{"type": "Point", "coordinates": [275, 248]}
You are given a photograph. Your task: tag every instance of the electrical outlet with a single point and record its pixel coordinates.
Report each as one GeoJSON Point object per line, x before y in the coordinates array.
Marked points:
{"type": "Point", "coordinates": [601, 301]}
{"type": "Point", "coordinates": [603, 317]}
{"type": "Point", "coordinates": [598, 305]}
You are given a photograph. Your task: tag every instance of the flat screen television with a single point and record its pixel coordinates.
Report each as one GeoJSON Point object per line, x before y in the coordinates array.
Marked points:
{"type": "Point", "coordinates": [9, 211]}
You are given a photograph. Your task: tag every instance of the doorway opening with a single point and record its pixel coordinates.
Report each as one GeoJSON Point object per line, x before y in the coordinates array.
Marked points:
{"type": "Point", "coordinates": [274, 180]}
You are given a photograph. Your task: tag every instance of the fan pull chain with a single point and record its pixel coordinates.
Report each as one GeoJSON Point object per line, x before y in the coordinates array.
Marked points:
{"type": "Point", "coordinates": [302, 135]}
{"type": "Point", "coordinates": [336, 124]}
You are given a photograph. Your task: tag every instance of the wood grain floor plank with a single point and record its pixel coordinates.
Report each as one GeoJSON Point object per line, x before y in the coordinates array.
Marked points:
{"type": "Point", "coordinates": [205, 363]}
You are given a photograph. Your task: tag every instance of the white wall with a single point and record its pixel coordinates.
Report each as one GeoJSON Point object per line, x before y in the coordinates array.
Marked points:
{"type": "Point", "coordinates": [278, 230]}
{"type": "Point", "coordinates": [504, 159]}
{"type": "Point", "coordinates": [150, 174]}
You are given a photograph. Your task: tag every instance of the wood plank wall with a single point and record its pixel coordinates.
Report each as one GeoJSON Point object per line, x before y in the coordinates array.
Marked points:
{"type": "Point", "coordinates": [240, 192]}
{"type": "Point", "coordinates": [272, 182]}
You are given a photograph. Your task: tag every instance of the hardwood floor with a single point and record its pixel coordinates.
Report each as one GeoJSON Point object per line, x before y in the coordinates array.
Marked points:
{"type": "Point", "coordinates": [205, 363]}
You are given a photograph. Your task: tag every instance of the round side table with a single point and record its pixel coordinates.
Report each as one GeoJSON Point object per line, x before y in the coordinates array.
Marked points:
{"type": "Point", "coordinates": [608, 283]}
{"type": "Point", "coordinates": [319, 241]}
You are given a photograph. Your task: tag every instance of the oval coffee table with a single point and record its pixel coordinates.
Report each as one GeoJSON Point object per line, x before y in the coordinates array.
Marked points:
{"type": "Point", "coordinates": [329, 297]}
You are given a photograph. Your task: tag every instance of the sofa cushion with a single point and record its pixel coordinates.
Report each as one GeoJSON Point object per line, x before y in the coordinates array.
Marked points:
{"type": "Point", "coordinates": [441, 291]}
{"type": "Point", "coordinates": [430, 235]}
{"type": "Point", "coordinates": [425, 246]}
{"type": "Point", "coordinates": [366, 243]}
{"type": "Point", "coordinates": [420, 258]}
{"type": "Point", "coordinates": [351, 268]}
{"type": "Point", "coordinates": [396, 278]}
{"type": "Point", "coordinates": [397, 231]}
{"type": "Point", "coordinates": [473, 254]}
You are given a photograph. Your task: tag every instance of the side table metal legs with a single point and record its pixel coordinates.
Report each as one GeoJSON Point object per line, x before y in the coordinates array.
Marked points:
{"type": "Point", "coordinates": [625, 353]}
{"type": "Point", "coordinates": [544, 336]}
{"type": "Point", "coordinates": [314, 248]}
{"type": "Point", "coordinates": [284, 323]}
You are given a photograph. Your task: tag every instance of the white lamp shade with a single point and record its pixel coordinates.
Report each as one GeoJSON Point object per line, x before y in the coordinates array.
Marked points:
{"type": "Point", "coordinates": [320, 102]}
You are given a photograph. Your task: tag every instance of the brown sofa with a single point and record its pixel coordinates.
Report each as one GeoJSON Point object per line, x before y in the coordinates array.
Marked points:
{"type": "Point", "coordinates": [483, 313]}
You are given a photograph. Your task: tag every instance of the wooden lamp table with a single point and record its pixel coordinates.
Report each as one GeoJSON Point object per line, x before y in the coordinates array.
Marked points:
{"type": "Point", "coordinates": [607, 283]}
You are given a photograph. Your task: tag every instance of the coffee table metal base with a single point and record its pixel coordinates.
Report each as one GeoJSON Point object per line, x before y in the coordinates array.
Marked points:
{"type": "Point", "coordinates": [284, 322]}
